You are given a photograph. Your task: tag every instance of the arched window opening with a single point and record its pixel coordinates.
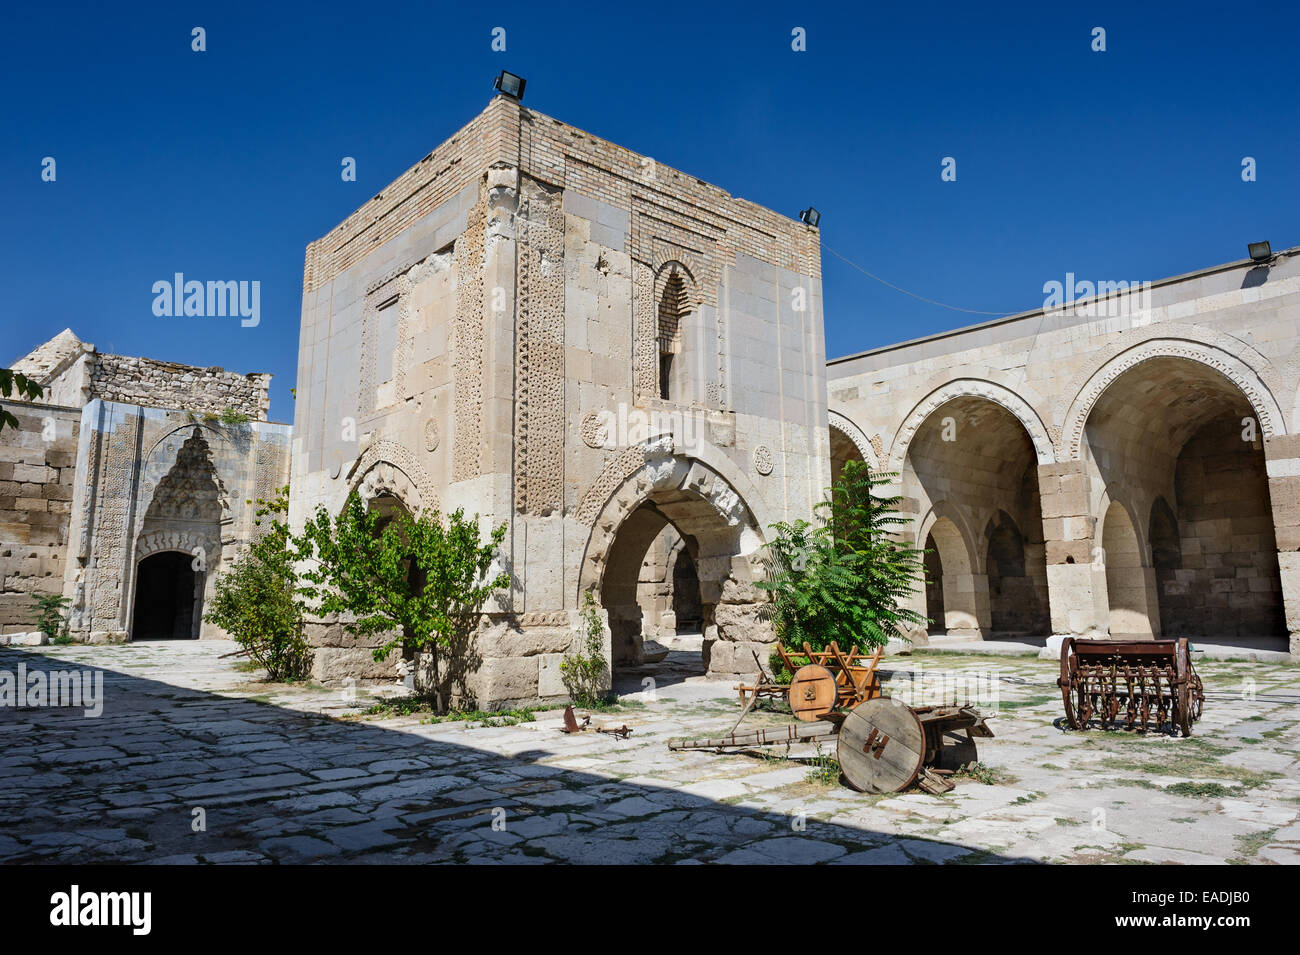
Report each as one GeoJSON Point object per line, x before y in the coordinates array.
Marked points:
{"type": "Point", "coordinates": [673, 305]}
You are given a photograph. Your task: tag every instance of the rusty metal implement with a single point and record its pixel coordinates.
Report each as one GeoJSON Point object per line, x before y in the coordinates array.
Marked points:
{"type": "Point", "coordinates": [1146, 684]}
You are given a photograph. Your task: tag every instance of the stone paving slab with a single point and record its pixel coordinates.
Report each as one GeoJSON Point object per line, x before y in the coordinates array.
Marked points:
{"type": "Point", "coordinates": [195, 761]}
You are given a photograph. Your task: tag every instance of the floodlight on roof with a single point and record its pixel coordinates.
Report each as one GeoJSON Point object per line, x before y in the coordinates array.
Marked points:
{"type": "Point", "coordinates": [510, 84]}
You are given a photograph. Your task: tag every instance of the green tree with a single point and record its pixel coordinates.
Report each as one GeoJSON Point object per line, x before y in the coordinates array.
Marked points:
{"type": "Point", "coordinates": [841, 578]}
{"type": "Point", "coordinates": [419, 580]}
{"type": "Point", "coordinates": [256, 600]}
{"type": "Point", "coordinates": [14, 384]}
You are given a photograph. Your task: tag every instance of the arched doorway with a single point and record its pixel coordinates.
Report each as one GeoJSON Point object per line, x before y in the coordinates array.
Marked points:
{"type": "Point", "coordinates": [954, 604]}
{"type": "Point", "coordinates": [1181, 445]}
{"type": "Point", "coordinates": [934, 609]}
{"type": "Point", "coordinates": [666, 492]}
{"type": "Point", "coordinates": [168, 597]}
{"type": "Point", "coordinates": [182, 528]}
{"type": "Point", "coordinates": [633, 615]}
{"type": "Point", "coordinates": [688, 611]}
{"type": "Point", "coordinates": [972, 462]}
{"type": "Point", "coordinates": [1128, 595]}
{"type": "Point", "coordinates": [1017, 584]}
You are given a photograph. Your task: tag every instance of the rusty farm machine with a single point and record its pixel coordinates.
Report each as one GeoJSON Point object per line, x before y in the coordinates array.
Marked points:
{"type": "Point", "coordinates": [1134, 684]}
{"type": "Point", "coordinates": [882, 745]}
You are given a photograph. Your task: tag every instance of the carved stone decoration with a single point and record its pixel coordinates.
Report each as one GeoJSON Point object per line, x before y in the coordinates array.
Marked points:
{"type": "Point", "coordinates": [391, 291]}
{"type": "Point", "coordinates": [421, 487]}
{"type": "Point", "coordinates": [431, 434]}
{"type": "Point", "coordinates": [1234, 369]}
{"type": "Point", "coordinates": [594, 429]}
{"type": "Point", "coordinates": [978, 388]}
{"type": "Point", "coordinates": [385, 480]}
{"type": "Point", "coordinates": [869, 448]}
{"type": "Point", "coordinates": [467, 347]}
{"type": "Point", "coordinates": [188, 542]}
{"type": "Point", "coordinates": [763, 460]}
{"type": "Point", "coordinates": [190, 490]}
{"type": "Point", "coordinates": [539, 350]}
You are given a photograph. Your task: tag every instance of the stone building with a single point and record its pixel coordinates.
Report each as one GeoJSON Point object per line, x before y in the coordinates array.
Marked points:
{"type": "Point", "coordinates": [125, 489]}
{"type": "Point", "coordinates": [1127, 466]}
{"type": "Point", "coordinates": [621, 362]}
{"type": "Point", "coordinates": [626, 366]}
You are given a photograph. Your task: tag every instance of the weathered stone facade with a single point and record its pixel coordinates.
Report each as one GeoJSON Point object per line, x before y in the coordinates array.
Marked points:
{"type": "Point", "coordinates": [1129, 466]}
{"type": "Point", "coordinates": [37, 480]}
{"type": "Point", "coordinates": [554, 332]}
{"type": "Point", "coordinates": [131, 510]}
{"type": "Point", "coordinates": [625, 365]}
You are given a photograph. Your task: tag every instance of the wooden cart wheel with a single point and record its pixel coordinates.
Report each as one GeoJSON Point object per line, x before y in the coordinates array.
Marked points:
{"type": "Point", "coordinates": [1069, 674]}
{"type": "Point", "coordinates": [881, 746]}
{"type": "Point", "coordinates": [812, 693]}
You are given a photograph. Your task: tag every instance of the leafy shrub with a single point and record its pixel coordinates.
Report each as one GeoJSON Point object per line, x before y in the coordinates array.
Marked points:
{"type": "Point", "coordinates": [841, 579]}
{"type": "Point", "coordinates": [585, 671]}
{"type": "Point", "coordinates": [51, 615]}
{"type": "Point", "coordinates": [255, 600]}
{"type": "Point", "coordinates": [420, 581]}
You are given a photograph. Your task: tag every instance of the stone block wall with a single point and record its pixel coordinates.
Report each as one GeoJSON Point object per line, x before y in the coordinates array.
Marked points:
{"type": "Point", "coordinates": [518, 271]}
{"type": "Point", "coordinates": [1111, 395]}
{"type": "Point", "coordinates": [1225, 582]}
{"type": "Point", "coordinates": [164, 384]}
{"type": "Point", "coordinates": [37, 475]}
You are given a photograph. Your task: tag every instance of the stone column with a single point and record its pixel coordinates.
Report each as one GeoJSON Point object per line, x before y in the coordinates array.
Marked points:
{"type": "Point", "coordinates": [1282, 463]}
{"type": "Point", "coordinates": [1076, 584]}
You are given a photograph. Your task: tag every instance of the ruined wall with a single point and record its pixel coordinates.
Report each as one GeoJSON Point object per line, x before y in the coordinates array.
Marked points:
{"type": "Point", "coordinates": [163, 384]}
{"type": "Point", "coordinates": [37, 474]}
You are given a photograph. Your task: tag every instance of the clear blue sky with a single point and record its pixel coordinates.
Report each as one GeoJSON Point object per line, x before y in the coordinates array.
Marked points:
{"type": "Point", "coordinates": [1123, 165]}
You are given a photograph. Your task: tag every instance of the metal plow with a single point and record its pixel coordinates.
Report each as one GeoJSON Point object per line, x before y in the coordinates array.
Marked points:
{"type": "Point", "coordinates": [1145, 685]}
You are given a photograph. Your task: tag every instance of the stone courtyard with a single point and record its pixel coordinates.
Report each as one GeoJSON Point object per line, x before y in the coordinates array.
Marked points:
{"type": "Point", "coordinates": [300, 773]}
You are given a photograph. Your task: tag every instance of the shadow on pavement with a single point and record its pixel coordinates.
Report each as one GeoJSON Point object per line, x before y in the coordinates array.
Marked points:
{"type": "Point", "coordinates": [277, 784]}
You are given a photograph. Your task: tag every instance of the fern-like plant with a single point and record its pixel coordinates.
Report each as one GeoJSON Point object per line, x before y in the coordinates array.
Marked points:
{"type": "Point", "coordinates": [843, 577]}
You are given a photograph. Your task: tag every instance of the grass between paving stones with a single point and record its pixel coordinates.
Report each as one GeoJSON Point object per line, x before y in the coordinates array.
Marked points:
{"type": "Point", "coordinates": [1248, 846]}
{"type": "Point", "coordinates": [825, 769]}
{"type": "Point", "coordinates": [1195, 757]}
{"type": "Point", "coordinates": [426, 709]}
{"type": "Point", "coordinates": [1036, 700]}
{"type": "Point", "coordinates": [986, 774]}
{"type": "Point", "coordinates": [1107, 855]}
{"type": "Point", "coordinates": [991, 856]}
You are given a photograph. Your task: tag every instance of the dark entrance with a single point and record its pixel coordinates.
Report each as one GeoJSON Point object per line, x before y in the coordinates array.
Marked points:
{"type": "Point", "coordinates": [688, 608]}
{"type": "Point", "coordinates": [167, 604]}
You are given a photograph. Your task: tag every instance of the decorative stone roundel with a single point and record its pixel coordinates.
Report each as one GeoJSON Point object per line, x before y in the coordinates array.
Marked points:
{"type": "Point", "coordinates": [431, 434]}
{"type": "Point", "coordinates": [763, 459]}
{"type": "Point", "coordinates": [594, 432]}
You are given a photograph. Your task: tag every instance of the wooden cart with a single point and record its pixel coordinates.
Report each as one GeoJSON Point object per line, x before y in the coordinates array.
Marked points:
{"type": "Point", "coordinates": [852, 677]}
